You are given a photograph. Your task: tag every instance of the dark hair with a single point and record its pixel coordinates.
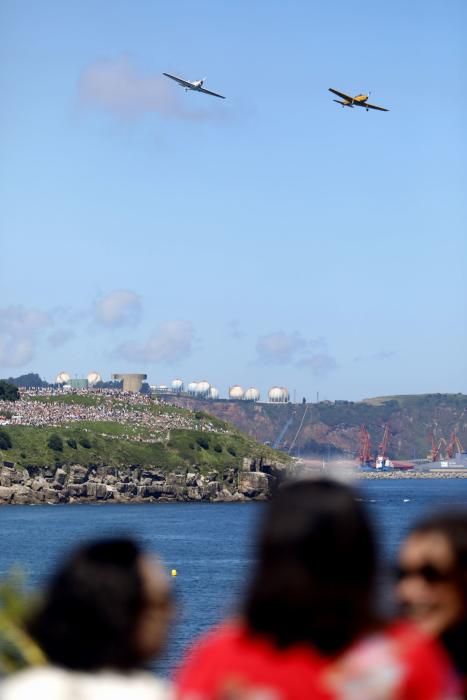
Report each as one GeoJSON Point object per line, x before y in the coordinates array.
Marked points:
{"type": "Point", "coordinates": [316, 570]}
{"type": "Point", "coordinates": [92, 607]}
{"type": "Point", "coordinates": [453, 526]}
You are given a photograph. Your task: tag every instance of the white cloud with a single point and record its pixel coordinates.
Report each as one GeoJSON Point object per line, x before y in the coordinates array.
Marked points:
{"type": "Point", "coordinates": [283, 348]}
{"type": "Point", "coordinates": [319, 364]}
{"type": "Point", "coordinates": [280, 347]}
{"type": "Point", "coordinates": [19, 332]}
{"type": "Point", "coordinates": [119, 308]}
{"type": "Point", "coordinates": [116, 86]}
{"type": "Point", "coordinates": [171, 343]}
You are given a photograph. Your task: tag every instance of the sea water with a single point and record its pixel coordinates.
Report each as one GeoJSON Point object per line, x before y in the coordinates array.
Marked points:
{"type": "Point", "coordinates": [212, 546]}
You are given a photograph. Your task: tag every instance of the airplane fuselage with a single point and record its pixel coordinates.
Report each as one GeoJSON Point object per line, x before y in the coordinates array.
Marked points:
{"type": "Point", "coordinates": [358, 100]}
{"type": "Point", "coordinates": [195, 85]}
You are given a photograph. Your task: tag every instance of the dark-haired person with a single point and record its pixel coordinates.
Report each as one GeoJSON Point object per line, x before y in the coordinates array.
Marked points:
{"type": "Point", "coordinates": [432, 583]}
{"type": "Point", "coordinates": [104, 616]}
{"type": "Point", "coordinates": [309, 628]}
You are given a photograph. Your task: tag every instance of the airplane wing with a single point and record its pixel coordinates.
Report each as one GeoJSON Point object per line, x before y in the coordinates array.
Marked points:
{"type": "Point", "coordinates": [341, 94]}
{"type": "Point", "coordinates": [345, 104]}
{"type": "Point", "coordinates": [381, 109]}
{"type": "Point", "coordinates": [208, 92]}
{"type": "Point", "coordinates": [180, 81]}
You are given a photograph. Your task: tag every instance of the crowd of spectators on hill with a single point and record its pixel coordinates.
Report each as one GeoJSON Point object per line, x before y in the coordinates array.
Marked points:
{"type": "Point", "coordinates": [49, 407]}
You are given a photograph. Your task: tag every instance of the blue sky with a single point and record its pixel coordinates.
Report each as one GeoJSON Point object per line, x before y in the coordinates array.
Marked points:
{"type": "Point", "coordinates": [271, 238]}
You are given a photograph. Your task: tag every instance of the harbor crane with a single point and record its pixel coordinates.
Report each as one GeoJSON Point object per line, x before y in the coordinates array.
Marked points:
{"type": "Point", "coordinates": [364, 454]}
{"type": "Point", "coordinates": [383, 446]}
{"type": "Point", "coordinates": [453, 445]}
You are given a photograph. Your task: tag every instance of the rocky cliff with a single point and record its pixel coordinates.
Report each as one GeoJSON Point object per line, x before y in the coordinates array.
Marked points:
{"type": "Point", "coordinates": [80, 484]}
{"type": "Point", "coordinates": [332, 428]}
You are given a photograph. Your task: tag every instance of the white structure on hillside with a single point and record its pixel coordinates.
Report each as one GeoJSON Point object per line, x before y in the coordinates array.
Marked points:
{"type": "Point", "coordinates": [252, 394]}
{"type": "Point", "coordinates": [62, 378]}
{"type": "Point", "coordinates": [236, 392]}
{"type": "Point", "coordinates": [94, 378]}
{"type": "Point", "coordinates": [213, 393]}
{"type": "Point", "coordinates": [278, 394]}
{"type": "Point", "coordinates": [202, 388]}
{"type": "Point", "coordinates": [131, 382]}
{"type": "Point", "coordinates": [177, 385]}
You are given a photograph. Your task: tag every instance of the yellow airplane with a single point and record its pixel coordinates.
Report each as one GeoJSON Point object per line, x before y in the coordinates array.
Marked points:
{"type": "Point", "coordinates": [357, 101]}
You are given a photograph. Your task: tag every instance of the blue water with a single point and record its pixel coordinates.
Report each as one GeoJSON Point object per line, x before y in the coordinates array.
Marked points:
{"type": "Point", "coordinates": [212, 546]}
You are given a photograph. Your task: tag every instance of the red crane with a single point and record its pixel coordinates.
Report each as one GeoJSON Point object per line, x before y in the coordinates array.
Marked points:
{"type": "Point", "coordinates": [454, 444]}
{"type": "Point", "coordinates": [383, 446]}
{"type": "Point", "coordinates": [434, 454]}
{"type": "Point", "coordinates": [364, 454]}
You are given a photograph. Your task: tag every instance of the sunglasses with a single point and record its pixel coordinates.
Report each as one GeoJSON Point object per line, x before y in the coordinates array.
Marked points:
{"type": "Point", "coordinates": [428, 572]}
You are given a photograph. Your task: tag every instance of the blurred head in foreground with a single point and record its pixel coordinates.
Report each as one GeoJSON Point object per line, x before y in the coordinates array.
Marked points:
{"type": "Point", "coordinates": [314, 578]}
{"type": "Point", "coordinates": [309, 627]}
{"type": "Point", "coordinates": [108, 606]}
{"type": "Point", "coordinates": [432, 580]}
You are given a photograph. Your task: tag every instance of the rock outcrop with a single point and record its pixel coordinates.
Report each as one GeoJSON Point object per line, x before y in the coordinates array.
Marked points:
{"type": "Point", "coordinates": [99, 483]}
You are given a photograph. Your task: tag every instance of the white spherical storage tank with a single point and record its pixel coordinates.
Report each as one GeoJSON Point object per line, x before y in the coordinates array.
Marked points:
{"type": "Point", "coordinates": [62, 378]}
{"type": "Point", "coordinates": [177, 385]}
{"type": "Point", "coordinates": [94, 378]}
{"type": "Point", "coordinates": [252, 394]}
{"type": "Point", "coordinates": [213, 393]}
{"type": "Point", "coordinates": [236, 392]}
{"type": "Point", "coordinates": [278, 394]}
{"type": "Point", "coordinates": [192, 387]}
{"type": "Point", "coordinates": [202, 387]}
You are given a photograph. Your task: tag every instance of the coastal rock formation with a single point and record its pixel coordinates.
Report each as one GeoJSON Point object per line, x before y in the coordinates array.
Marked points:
{"type": "Point", "coordinates": [331, 428]}
{"type": "Point", "coordinates": [99, 483]}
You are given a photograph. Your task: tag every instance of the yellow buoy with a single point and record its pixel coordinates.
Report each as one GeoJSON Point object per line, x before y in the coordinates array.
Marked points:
{"type": "Point", "coordinates": [174, 572]}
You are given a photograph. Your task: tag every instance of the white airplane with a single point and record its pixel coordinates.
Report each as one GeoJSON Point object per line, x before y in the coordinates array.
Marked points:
{"type": "Point", "coordinates": [357, 101]}
{"type": "Point", "coordinates": [196, 85]}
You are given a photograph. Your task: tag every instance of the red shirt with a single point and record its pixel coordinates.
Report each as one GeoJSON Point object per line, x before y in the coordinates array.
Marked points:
{"type": "Point", "coordinates": [395, 664]}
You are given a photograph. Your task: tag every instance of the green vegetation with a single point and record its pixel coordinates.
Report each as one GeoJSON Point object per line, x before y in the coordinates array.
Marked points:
{"type": "Point", "coordinates": [8, 392]}
{"type": "Point", "coordinates": [113, 443]}
{"type": "Point", "coordinates": [31, 446]}
{"type": "Point", "coordinates": [28, 381]}
{"type": "Point", "coordinates": [202, 442]}
{"type": "Point", "coordinates": [5, 440]}
{"type": "Point", "coordinates": [55, 443]}
{"type": "Point", "coordinates": [17, 649]}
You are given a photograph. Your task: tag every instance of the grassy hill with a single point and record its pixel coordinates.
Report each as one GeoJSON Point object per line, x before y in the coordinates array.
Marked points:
{"type": "Point", "coordinates": [145, 434]}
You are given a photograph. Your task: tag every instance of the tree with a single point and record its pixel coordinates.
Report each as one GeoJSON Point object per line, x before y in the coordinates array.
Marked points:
{"type": "Point", "coordinates": [28, 381]}
{"type": "Point", "coordinates": [55, 442]}
{"type": "Point", "coordinates": [5, 440]}
{"type": "Point", "coordinates": [8, 392]}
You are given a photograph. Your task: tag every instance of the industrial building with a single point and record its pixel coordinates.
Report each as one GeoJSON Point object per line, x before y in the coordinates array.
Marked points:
{"type": "Point", "coordinates": [131, 382]}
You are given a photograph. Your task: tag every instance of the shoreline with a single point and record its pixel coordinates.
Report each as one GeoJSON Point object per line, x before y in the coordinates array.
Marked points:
{"type": "Point", "coordinates": [435, 474]}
